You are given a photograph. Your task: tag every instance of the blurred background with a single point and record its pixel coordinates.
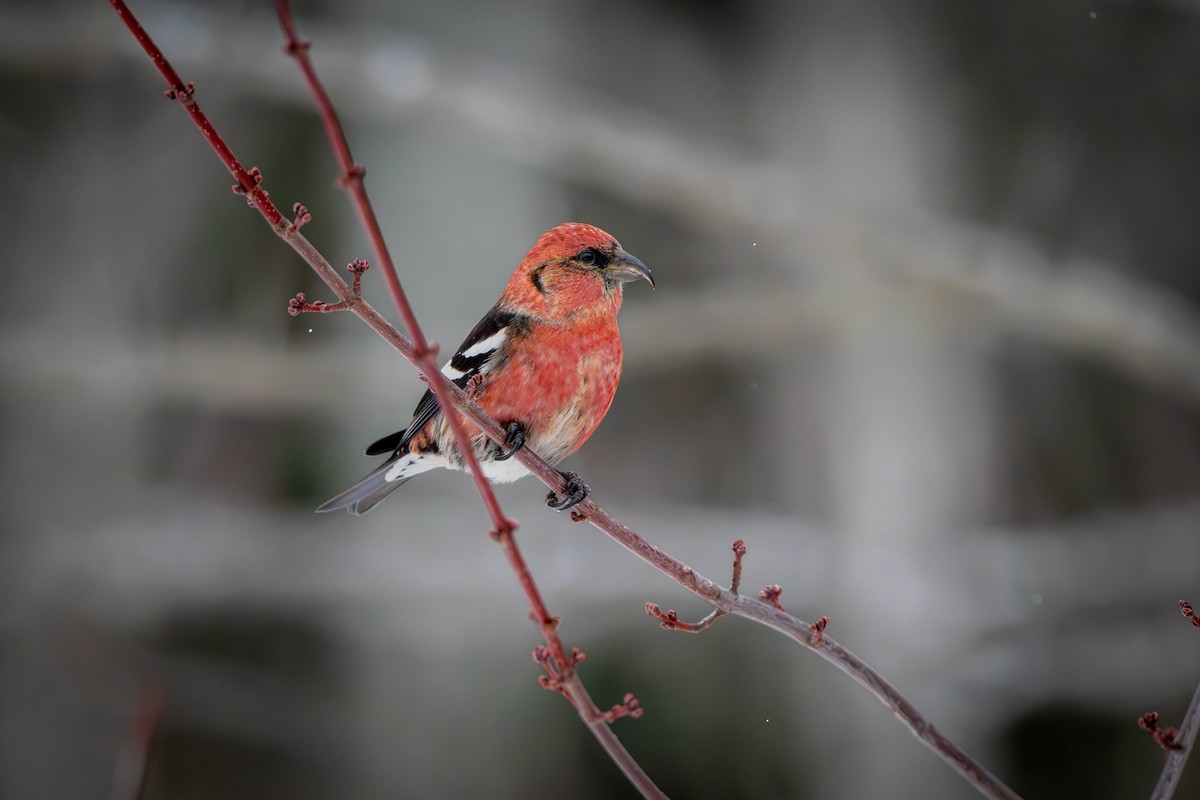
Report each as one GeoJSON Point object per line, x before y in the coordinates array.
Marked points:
{"type": "Point", "coordinates": [926, 336]}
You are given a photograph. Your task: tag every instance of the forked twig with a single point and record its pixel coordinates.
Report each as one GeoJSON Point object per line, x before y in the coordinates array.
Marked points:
{"type": "Point", "coordinates": [299, 304]}
{"type": "Point", "coordinates": [670, 621]}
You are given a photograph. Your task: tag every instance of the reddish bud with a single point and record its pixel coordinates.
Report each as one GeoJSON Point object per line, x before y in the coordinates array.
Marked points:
{"type": "Point", "coordinates": [1165, 737]}
{"type": "Point", "coordinates": [182, 94]}
{"type": "Point", "coordinates": [1186, 608]}
{"type": "Point", "coordinates": [818, 630]}
{"type": "Point", "coordinates": [300, 217]}
{"type": "Point", "coordinates": [771, 594]}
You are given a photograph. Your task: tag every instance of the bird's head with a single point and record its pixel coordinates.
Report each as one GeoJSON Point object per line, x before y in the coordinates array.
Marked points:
{"type": "Point", "coordinates": [573, 267]}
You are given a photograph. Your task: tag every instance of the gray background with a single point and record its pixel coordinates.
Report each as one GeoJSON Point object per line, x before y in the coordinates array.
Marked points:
{"type": "Point", "coordinates": [926, 336]}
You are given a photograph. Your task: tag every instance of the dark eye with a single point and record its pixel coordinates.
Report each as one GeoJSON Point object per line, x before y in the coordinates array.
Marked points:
{"type": "Point", "coordinates": [591, 257]}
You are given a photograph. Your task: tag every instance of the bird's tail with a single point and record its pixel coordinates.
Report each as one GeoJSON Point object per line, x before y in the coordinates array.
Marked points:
{"type": "Point", "coordinates": [382, 481]}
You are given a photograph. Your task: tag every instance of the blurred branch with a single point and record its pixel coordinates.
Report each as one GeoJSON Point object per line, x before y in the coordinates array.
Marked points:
{"type": "Point", "coordinates": [421, 355]}
{"type": "Point", "coordinates": [133, 759]}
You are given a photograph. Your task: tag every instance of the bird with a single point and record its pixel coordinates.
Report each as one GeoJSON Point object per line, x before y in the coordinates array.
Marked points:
{"type": "Point", "coordinates": [544, 362]}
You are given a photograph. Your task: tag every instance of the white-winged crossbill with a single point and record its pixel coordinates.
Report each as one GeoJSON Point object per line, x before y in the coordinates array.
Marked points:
{"type": "Point", "coordinates": [543, 362]}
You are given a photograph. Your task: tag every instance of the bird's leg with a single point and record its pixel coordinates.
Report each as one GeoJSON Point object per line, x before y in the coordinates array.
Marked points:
{"type": "Point", "coordinates": [573, 495]}
{"type": "Point", "coordinates": [514, 440]}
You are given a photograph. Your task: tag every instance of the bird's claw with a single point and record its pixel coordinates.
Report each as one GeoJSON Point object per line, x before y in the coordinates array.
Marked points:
{"type": "Point", "coordinates": [576, 490]}
{"type": "Point", "coordinates": [514, 439]}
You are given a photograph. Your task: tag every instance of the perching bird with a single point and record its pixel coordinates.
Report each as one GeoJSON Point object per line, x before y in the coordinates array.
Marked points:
{"type": "Point", "coordinates": [547, 357]}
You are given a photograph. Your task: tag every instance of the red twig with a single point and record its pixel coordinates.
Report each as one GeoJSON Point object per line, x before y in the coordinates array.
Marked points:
{"type": "Point", "coordinates": [184, 94]}
{"type": "Point", "coordinates": [299, 305]}
{"type": "Point", "coordinates": [419, 350]}
{"type": "Point", "coordinates": [723, 599]}
{"type": "Point", "coordinates": [670, 621]}
{"type": "Point", "coordinates": [352, 178]}
{"type": "Point", "coordinates": [352, 181]}
{"type": "Point", "coordinates": [566, 679]}
{"type": "Point", "coordinates": [739, 552]}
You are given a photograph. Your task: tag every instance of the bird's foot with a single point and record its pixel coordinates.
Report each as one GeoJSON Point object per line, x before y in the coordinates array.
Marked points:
{"type": "Point", "coordinates": [514, 440]}
{"type": "Point", "coordinates": [574, 494]}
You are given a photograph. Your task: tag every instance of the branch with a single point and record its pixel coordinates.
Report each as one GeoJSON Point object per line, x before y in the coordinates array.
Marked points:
{"type": "Point", "coordinates": [670, 620]}
{"type": "Point", "coordinates": [418, 351]}
{"type": "Point", "coordinates": [450, 395]}
{"type": "Point", "coordinates": [1181, 740]}
{"type": "Point", "coordinates": [808, 635]}
{"type": "Point", "coordinates": [560, 667]}
{"type": "Point", "coordinates": [1184, 739]}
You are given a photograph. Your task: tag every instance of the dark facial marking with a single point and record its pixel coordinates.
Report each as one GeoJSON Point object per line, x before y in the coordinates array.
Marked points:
{"type": "Point", "coordinates": [535, 278]}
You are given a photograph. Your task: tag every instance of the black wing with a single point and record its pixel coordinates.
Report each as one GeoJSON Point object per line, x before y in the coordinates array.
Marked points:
{"type": "Point", "coordinates": [474, 357]}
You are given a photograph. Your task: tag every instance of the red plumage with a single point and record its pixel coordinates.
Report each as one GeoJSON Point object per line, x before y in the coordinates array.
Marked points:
{"type": "Point", "coordinates": [548, 360]}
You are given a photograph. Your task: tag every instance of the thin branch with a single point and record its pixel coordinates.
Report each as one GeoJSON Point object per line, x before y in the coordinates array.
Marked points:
{"type": "Point", "coordinates": [589, 509]}
{"type": "Point", "coordinates": [248, 182]}
{"type": "Point", "coordinates": [424, 353]}
{"type": "Point", "coordinates": [670, 621]}
{"type": "Point", "coordinates": [1185, 739]}
{"type": "Point", "coordinates": [566, 678]}
{"type": "Point", "coordinates": [299, 304]}
{"type": "Point", "coordinates": [804, 634]}
{"type": "Point", "coordinates": [352, 173]}
{"type": "Point", "coordinates": [1185, 736]}
{"type": "Point", "coordinates": [418, 351]}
